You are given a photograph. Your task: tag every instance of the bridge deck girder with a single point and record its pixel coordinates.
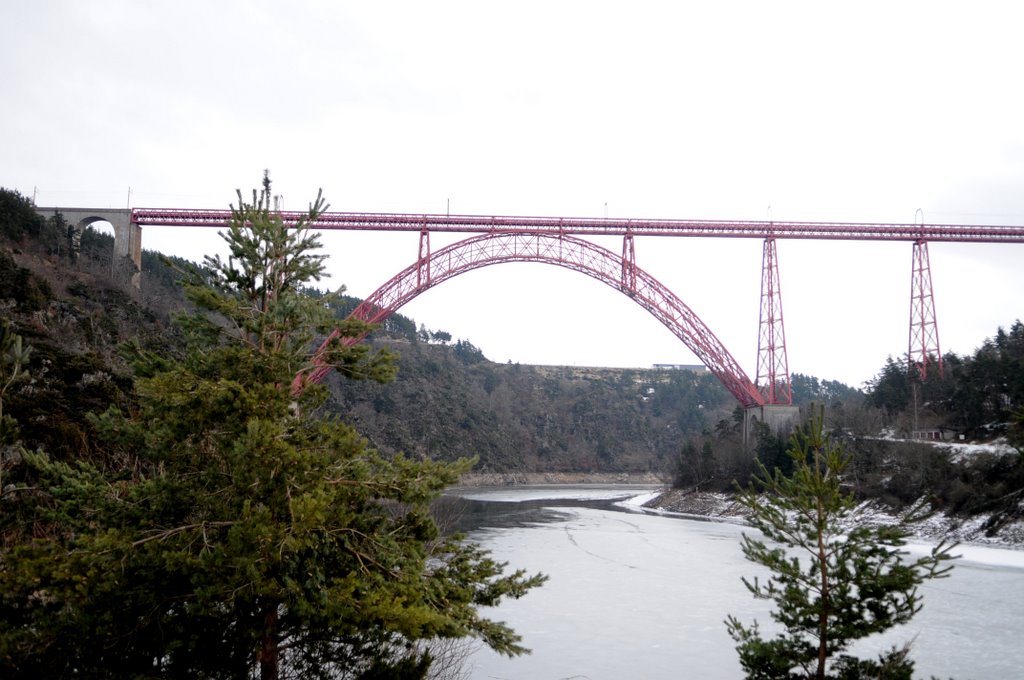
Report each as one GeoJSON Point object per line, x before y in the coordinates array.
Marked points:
{"type": "Point", "coordinates": [583, 226]}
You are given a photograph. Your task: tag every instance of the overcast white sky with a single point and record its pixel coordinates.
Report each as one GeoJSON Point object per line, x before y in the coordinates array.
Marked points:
{"type": "Point", "coordinates": [711, 110]}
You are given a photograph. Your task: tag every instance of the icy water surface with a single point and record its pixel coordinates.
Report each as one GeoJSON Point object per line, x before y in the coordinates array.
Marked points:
{"type": "Point", "coordinates": [633, 595]}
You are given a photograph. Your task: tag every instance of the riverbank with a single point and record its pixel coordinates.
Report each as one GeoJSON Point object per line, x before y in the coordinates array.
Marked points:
{"type": "Point", "coordinates": [645, 595]}
{"type": "Point", "coordinates": [717, 506]}
{"type": "Point", "coordinates": [485, 479]}
{"type": "Point", "coordinates": [723, 507]}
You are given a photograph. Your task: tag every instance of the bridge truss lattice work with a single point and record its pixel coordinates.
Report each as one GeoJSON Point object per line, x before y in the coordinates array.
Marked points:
{"type": "Point", "coordinates": [555, 240]}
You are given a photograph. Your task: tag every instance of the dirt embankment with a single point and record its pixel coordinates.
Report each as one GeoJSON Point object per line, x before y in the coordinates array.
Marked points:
{"type": "Point", "coordinates": [706, 505]}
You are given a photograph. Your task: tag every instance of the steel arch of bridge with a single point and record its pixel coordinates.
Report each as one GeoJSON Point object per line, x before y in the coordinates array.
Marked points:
{"type": "Point", "coordinates": [620, 273]}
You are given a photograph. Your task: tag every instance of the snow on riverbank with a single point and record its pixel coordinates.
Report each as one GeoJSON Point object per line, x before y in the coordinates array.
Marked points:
{"type": "Point", "coordinates": [969, 531]}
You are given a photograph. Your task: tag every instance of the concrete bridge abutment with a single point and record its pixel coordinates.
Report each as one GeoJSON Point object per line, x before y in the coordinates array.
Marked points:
{"type": "Point", "coordinates": [780, 418]}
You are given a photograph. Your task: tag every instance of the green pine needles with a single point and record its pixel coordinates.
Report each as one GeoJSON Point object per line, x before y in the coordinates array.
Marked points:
{"type": "Point", "coordinates": [833, 580]}
{"type": "Point", "coordinates": [234, 530]}
{"type": "Point", "coordinates": [14, 359]}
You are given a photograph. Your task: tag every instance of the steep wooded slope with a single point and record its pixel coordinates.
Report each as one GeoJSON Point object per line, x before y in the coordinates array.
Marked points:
{"type": "Point", "coordinates": [533, 418]}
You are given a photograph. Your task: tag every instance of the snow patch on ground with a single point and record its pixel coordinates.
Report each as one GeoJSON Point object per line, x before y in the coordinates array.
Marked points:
{"type": "Point", "coordinates": [639, 501]}
{"type": "Point", "coordinates": [959, 451]}
{"type": "Point", "coordinates": [997, 447]}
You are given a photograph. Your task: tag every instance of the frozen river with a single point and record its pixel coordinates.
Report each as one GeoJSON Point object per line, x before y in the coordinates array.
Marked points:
{"type": "Point", "coordinates": [633, 595]}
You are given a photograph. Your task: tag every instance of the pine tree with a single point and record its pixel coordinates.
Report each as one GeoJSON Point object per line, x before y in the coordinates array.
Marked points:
{"type": "Point", "coordinates": [14, 359]}
{"type": "Point", "coordinates": [834, 580]}
{"type": "Point", "coordinates": [245, 532]}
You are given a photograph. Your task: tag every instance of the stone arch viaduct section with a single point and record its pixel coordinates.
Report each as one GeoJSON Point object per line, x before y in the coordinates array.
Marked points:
{"type": "Point", "coordinates": [127, 260]}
